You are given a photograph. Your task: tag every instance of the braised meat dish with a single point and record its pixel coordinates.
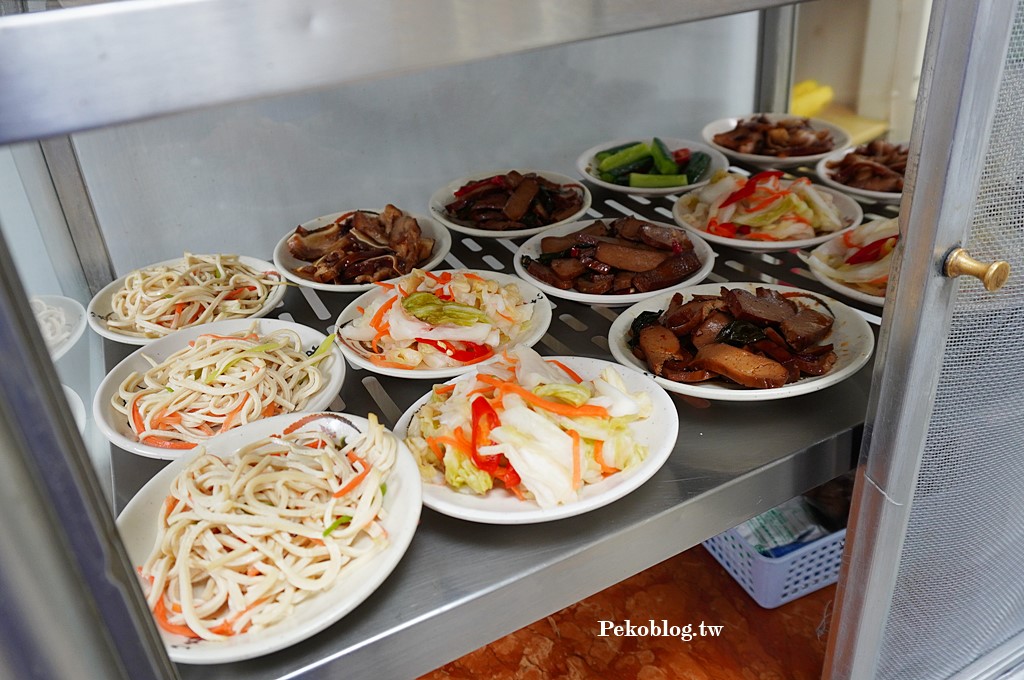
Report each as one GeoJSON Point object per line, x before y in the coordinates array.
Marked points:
{"type": "Point", "coordinates": [626, 256]}
{"type": "Point", "coordinates": [513, 201]}
{"type": "Point", "coordinates": [361, 247]}
{"type": "Point", "coordinates": [761, 340]}
{"type": "Point", "coordinates": [875, 166]}
{"type": "Point", "coordinates": [782, 139]}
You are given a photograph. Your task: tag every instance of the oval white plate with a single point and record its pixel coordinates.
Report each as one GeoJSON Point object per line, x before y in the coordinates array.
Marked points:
{"type": "Point", "coordinates": [840, 137]}
{"type": "Point", "coordinates": [825, 174]}
{"type": "Point", "coordinates": [849, 211]}
{"type": "Point", "coordinates": [77, 407]}
{"type": "Point", "coordinates": [658, 433]}
{"type": "Point", "coordinates": [287, 264]}
{"type": "Point", "coordinates": [402, 503]}
{"type": "Point", "coordinates": [818, 272]}
{"type": "Point", "coordinates": [446, 194]}
{"type": "Point", "coordinates": [99, 306]}
{"type": "Point", "coordinates": [585, 164]}
{"type": "Point", "coordinates": [532, 248]}
{"type": "Point", "coordinates": [115, 426]}
{"type": "Point", "coordinates": [851, 336]}
{"type": "Point", "coordinates": [74, 322]}
{"type": "Point", "coordinates": [539, 323]}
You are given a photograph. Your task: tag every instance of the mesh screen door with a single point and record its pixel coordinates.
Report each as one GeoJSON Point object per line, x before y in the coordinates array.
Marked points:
{"type": "Point", "coordinates": [934, 585]}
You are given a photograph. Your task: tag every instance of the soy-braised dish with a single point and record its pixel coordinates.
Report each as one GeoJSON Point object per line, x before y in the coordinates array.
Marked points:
{"type": "Point", "coordinates": [761, 340]}
{"type": "Point", "coordinates": [875, 166]}
{"type": "Point", "coordinates": [361, 246]}
{"type": "Point", "coordinates": [513, 201]}
{"type": "Point", "coordinates": [784, 138]}
{"type": "Point", "coordinates": [626, 256]}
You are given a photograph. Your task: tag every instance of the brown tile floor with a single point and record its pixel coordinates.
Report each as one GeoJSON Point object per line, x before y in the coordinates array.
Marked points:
{"type": "Point", "coordinates": [786, 643]}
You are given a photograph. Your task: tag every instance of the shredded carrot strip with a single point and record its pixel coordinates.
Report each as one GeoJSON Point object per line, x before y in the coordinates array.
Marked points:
{"type": "Point", "coordinates": [577, 464]}
{"type": "Point", "coordinates": [377, 360]}
{"type": "Point", "coordinates": [167, 443]}
{"type": "Point", "coordinates": [474, 277]}
{"type": "Point", "coordinates": [229, 422]}
{"type": "Point", "coordinates": [540, 402]}
{"type": "Point", "coordinates": [227, 627]}
{"type": "Point", "coordinates": [375, 321]}
{"type": "Point", "coordinates": [384, 329]}
{"type": "Point", "coordinates": [757, 236]}
{"type": "Point", "coordinates": [137, 417]}
{"type": "Point", "coordinates": [848, 239]}
{"type": "Point", "coordinates": [599, 458]}
{"type": "Point", "coordinates": [355, 481]}
{"type": "Point", "coordinates": [160, 614]}
{"type": "Point", "coordinates": [517, 491]}
{"type": "Point", "coordinates": [571, 373]}
{"type": "Point", "coordinates": [768, 201]}
{"type": "Point", "coordinates": [385, 285]}
{"type": "Point", "coordinates": [444, 389]}
{"type": "Point", "coordinates": [269, 410]}
{"type": "Point", "coordinates": [360, 309]}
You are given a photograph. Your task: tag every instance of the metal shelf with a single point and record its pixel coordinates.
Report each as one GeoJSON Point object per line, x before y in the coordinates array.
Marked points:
{"type": "Point", "coordinates": [462, 585]}
{"type": "Point", "coordinates": [74, 69]}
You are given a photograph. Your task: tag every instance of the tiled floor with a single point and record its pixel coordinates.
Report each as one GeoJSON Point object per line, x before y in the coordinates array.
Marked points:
{"type": "Point", "coordinates": [787, 643]}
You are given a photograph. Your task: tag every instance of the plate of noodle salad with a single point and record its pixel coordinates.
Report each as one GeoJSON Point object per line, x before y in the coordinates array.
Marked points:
{"type": "Point", "coordinates": [154, 301]}
{"type": "Point", "coordinates": [174, 394]}
{"type": "Point", "coordinates": [61, 320]}
{"type": "Point", "coordinates": [329, 506]}
{"type": "Point", "coordinates": [533, 439]}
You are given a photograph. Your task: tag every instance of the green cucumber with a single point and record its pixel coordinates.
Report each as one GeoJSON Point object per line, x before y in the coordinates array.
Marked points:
{"type": "Point", "coordinates": [628, 155]}
{"type": "Point", "coordinates": [663, 158]}
{"type": "Point", "coordinates": [601, 155]}
{"type": "Point", "coordinates": [640, 180]}
{"type": "Point", "coordinates": [697, 166]}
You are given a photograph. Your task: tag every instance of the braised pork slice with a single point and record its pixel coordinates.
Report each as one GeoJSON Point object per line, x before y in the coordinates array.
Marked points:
{"type": "Point", "coordinates": [740, 366]}
{"type": "Point", "coordinates": [766, 307]}
{"type": "Point", "coordinates": [658, 345]}
{"type": "Point", "coordinates": [805, 328]}
{"type": "Point", "coordinates": [674, 269]}
{"type": "Point", "coordinates": [707, 332]}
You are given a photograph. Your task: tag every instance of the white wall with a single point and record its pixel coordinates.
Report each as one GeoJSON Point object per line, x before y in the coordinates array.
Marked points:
{"type": "Point", "coordinates": [237, 178]}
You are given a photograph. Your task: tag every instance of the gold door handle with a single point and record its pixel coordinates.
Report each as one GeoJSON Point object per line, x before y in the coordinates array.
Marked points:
{"type": "Point", "coordinates": [991, 274]}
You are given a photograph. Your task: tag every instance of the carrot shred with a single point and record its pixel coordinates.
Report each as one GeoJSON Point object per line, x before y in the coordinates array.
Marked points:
{"type": "Point", "coordinates": [577, 464]}
{"type": "Point", "coordinates": [160, 614]}
{"type": "Point", "coordinates": [137, 422]}
{"type": "Point", "coordinates": [552, 406]}
{"type": "Point", "coordinates": [378, 360]}
{"type": "Point", "coordinates": [302, 421]}
{"type": "Point", "coordinates": [167, 443]}
{"type": "Point", "coordinates": [758, 236]}
{"type": "Point", "coordinates": [227, 626]}
{"type": "Point", "coordinates": [229, 422]}
{"type": "Point", "coordinates": [571, 373]}
{"type": "Point", "coordinates": [355, 481]}
{"type": "Point", "coordinates": [444, 389]}
{"type": "Point", "coordinates": [599, 458]}
{"type": "Point", "coordinates": [517, 492]}
{"type": "Point", "coordinates": [474, 277]}
{"type": "Point", "coordinates": [269, 410]}
{"type": "Point", "coordinates": [381, 311]}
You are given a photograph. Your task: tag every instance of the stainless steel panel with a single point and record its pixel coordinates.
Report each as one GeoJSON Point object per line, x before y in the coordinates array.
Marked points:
{"type": "Point", "coordinates": [462, 585]}
{"type": "Point", "coordinates": [80, 68]}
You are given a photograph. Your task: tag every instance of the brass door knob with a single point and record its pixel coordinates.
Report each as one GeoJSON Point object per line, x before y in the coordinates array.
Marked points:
{"type": "Point", "coordinates": [991, 274]}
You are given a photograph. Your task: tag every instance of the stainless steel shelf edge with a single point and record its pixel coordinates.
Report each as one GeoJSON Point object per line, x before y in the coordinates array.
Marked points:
{"type": "Point", "coordinates": [76, 69]}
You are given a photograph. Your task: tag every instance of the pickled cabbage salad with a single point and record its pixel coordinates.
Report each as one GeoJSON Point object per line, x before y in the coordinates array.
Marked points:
{"type": "Point", "coordinates": [859, 258]}
{"type": "Point", "coordinates": [529, 425]}
{"type": "Point", "coordinates": [762, 207]}
{"type": "Point", "coordinates": [439, 320]}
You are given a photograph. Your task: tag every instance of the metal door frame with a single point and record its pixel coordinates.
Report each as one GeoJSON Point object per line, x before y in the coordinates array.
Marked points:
{"type": "Point", "coordinates": [964, 57]}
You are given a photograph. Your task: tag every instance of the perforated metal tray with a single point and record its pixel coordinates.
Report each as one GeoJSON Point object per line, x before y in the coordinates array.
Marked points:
{"type": "Point", "coordinates": [461, 585]}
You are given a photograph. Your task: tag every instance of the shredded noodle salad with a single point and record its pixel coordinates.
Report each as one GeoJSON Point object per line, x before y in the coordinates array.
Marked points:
{"type": "Point", "coordinates": [197, 289]}
{"type": "Point", "coordinates": [219, 382]}
{"type": "Point", "coordinates": [241, 541]}
{"type": "Point", "coordinates": [860, 258]}
{"type": "Point", "coordinates": [438, 320]}
{"type": "Point", "coordinates": [528, 425]}
{"type": "Point", "coordinates": [761, 208]}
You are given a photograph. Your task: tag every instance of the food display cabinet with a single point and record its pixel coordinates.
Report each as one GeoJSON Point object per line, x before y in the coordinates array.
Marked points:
{"type": "Point", "coordinates": [142, 129]}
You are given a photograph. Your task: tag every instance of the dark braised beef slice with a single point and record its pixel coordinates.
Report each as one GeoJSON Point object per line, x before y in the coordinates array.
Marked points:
{"type": "Point", "coordinates": [741, 366]}
{"type": "Point", "coordinates": [658, 345]}
{"type": "Point", "coordinates": [680, 371]}
{"type": "Point", "coordinates": [805, 328]}
{"type": "Point", "coordinates": [666, 238]}
{"type": "Point", "coordinates": [623, 283]}
{"type": "Point", "coordinates": [685, 317]}
{"type": "Point", "coordinates": [594, 283]}
{"type": "Point", "coordinates": [816, 365]}
{"type": "Point", "coordinates": [556, 244]}
{"type": "Point", "coordinates": [674, 269]}
{"type": "Point", "coordinates": [545, 274]}
{"type": "Point", "coordinates": [627, 228]}
{"type": "Point", "coordinates": [630, 258]}
{"type": "Point", "coordinates": [707, 332]}
{"type": "Point", "coordinates": [519, 202]}
{"type": "Point", "coordinates": [766, 307]}
{"type": "Point", "coordinates": [568, 268]}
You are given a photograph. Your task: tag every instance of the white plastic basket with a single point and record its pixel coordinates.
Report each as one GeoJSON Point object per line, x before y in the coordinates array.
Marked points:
{"type": "Point", "coordinates": [773, 581]}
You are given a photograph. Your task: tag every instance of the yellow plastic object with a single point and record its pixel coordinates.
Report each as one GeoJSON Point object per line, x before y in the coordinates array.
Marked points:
{"type": "Point", "coordinates": [809, 98]}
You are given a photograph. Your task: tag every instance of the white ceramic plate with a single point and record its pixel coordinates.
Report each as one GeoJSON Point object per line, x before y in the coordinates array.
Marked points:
{"type": "Point", "coordinates": [658, 433]}
{"type": "Point", "coordinates": [840, 137]}
{"type": "Point", "coordinates": [446, 195]}
{"type": "Point", "coordinates": [826, 176]}
{"type": "Point", "coordinates": [538, 327]}
{"type": "Point", "coordinates": [851, 336]}
{"type": "Point", "coordinates": [287, 264]}
{"type": "Point", "coordinates": [115, 426]}
{"type": "Point", "coordinates": [402, 503]}
{"type": "Point", "coordinates": [849, 211]}
{"type": "Point", "coordinates": [74, 322]}
{"type": "Point", "coordinates": [99, 306]}
{"type": "Point", "coordinates": [532, 249]}
{"type": "Point", "coordinates": [586, 163]}
{"type": "Point", "coordinates": [820, 273]}
{"type": "Point", "coordinates": [77, 407]}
